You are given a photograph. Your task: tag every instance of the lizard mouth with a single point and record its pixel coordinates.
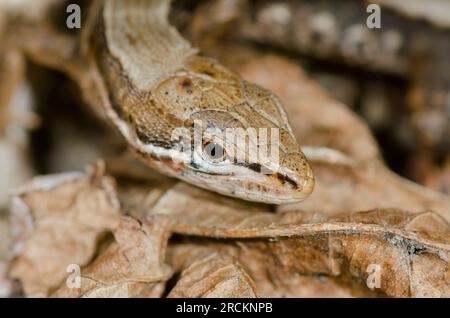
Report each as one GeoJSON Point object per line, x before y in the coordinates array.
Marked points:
{"type": "Point", "coordinates": [252, 185]}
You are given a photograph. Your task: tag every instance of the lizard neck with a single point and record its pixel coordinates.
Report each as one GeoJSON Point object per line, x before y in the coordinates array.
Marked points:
{"type": "Point", "coordinates": [132, 28]}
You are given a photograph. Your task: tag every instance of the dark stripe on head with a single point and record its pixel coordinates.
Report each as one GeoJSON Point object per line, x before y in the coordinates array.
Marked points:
{"type": "Point", "coordinates": [283, 179]}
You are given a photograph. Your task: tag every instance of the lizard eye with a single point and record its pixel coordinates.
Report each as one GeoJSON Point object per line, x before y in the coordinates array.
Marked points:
{"type": "Point", "coordinates": [214, 152]}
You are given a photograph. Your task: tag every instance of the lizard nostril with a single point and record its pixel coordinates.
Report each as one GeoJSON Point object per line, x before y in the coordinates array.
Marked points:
{"type": "Point", "coordinates": [285, 179]}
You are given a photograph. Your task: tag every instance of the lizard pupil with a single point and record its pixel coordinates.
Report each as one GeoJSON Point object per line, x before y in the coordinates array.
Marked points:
{"type": "Point", "coordinates": [214, 151]}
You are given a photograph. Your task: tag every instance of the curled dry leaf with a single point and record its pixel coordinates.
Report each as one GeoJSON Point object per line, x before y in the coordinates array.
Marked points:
{"type": "Point", "coordinates": [132, 265]}
{"type": "Point", "coordinates": [56, 221]}
{"type": "Point", "coordinates": [410, 252]}
{"type": "Point", "coordinates": [214, 275]}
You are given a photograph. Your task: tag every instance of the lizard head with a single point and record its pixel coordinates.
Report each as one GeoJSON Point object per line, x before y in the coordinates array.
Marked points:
{"type": "Point", "coordinates": [232, 136]}
{"type": "Point", "coordinates": [190, 117]}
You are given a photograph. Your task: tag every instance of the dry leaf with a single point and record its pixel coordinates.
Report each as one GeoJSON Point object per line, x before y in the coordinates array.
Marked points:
{"type": "Point", "coordinates": [283, 284]}
{"type": "Point", "coordinates": [214, 276]}
{"type": "Point", "coordinates": [131, 266]}
{"type": "Point", "coordinates": [57, 221]}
